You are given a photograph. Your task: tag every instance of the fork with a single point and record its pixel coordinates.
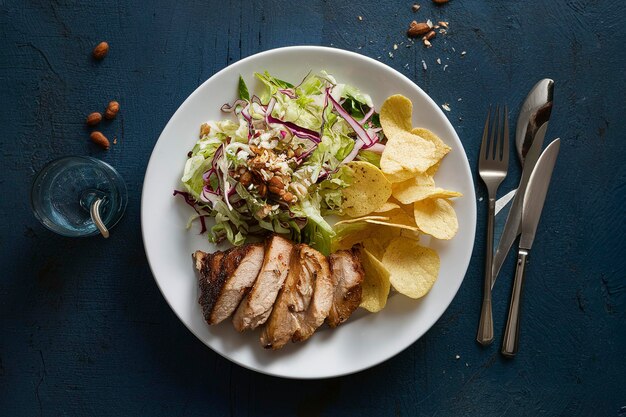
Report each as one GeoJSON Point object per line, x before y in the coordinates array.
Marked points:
{"type": "Point", "coordinates": [493, 164]}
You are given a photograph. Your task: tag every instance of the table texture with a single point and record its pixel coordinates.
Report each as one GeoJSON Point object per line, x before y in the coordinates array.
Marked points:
{"type": "Point", "coordinates": [84, 330]}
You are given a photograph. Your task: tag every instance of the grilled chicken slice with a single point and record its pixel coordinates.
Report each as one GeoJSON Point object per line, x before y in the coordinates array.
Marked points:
{"type": "Point", "coordinates": [225, 277]}
{"type": "Point", "coordinates": [208, 267]}
{"type": "Point", "coordinates": [347, 276]}
{"type": "Point", "coordinates": [304, 301]}
{"type": "Point", "coordinates": [316, 265]}
{"type": "Point", "coordinates": [257, 304]}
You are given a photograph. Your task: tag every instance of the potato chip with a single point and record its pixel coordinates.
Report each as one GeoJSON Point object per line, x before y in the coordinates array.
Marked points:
{"type": "Point", "coordinates": [369, 190]}
{"type": "Point", "coordinates": [397, 225]}
{"type": "Point", "coordinates": [388, 206]}
{"type": "Point", "coordinates": [410, 234]}
{"type": "Point", "coordinates": [413, 268]}
{"type": "Point", "coordinates": [436, 217]}
{"type": "Point", "coordinates": [350, 234]}
{"type": "Point", "coordinates": [397, 218]}
{"type": "Point", "coordinates": [405, 155]}
{"type": "Point", "coordinates": [376, 285]}
{"type": "Point", "coordinates": [360, 219]}
{"type": "Point", "coordinates": [374, 246]}
{"type": "Point", "coordinates": [419, 188]}
{"type": "Point", "coordinates": [441, 148]}
{"type": "Point", "coordinates": [395, 115]}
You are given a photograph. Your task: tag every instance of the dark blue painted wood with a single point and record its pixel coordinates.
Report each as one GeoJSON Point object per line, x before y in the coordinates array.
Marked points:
{"type": "Point", "coordinates": [84, 329]}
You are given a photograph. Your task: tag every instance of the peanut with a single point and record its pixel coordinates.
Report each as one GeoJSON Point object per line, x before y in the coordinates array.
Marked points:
{"type": "Point", "coordinates": [94, 118]}
{"type": "Point", "coordinates": [245, 179]}
{"type": "Point", "coordinates": [288, 197]}
{"type": "Point", "coordinates": [276, 182]}
{"type": "Point", "coordinates": [100, 51]}
{"type": "Point", "coordinates": [99, 139]}
{"type": "Point", "coordinates": [112, 110]}
{"type": "Point", "coordinates": [418, 29]}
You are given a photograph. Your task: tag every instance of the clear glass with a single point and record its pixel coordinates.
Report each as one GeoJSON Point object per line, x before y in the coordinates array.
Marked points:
{"type": "Point", "coordinates": [64, 190]}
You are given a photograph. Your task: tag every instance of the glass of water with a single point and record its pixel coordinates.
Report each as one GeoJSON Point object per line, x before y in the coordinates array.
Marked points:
{"type": "Point", "coordinates": [78, 196]}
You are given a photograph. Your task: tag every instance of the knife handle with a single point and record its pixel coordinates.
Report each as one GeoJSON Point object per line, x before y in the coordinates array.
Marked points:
{"type": "Point", "coordinates": [511, 333]}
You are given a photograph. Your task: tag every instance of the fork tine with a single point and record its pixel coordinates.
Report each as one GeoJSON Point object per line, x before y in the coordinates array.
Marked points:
{"type": "Point", "coordinates": [483, 145]}
{"type": "Point", "coordinates": [494, 128]}
{"type": "Point", "coordinates": [505, 149]}
{"type": "Point", "coordinates": [500, 134]}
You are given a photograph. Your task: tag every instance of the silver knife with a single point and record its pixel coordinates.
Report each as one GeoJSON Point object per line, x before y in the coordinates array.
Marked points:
{"type": "Point", "coordinates": [534, 198]}
{"type": "Point", "coordinates": [512, 225]}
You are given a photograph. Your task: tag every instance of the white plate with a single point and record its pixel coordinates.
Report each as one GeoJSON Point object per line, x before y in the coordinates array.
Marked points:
{"type": "Point", "coordinates": [366, 339]}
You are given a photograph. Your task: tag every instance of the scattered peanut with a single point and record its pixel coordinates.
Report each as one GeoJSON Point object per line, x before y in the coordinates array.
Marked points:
{"type": "Point", "coordinates": [99, 139]}
{"type": "Point", "coordinates": [415, 7]}
{"type": "Point", "coordinates": [112, 110]}
{"type": "Point", "coordinates": [417, 29]}
{"type": "Point", "coordinates": [440, 1]}
{"type": "Point", "coordinates": [94, 118]}
{"type": "Point", "coordinates": [100, 51]}
{"type": "Point", "coordinates": [430, 35]}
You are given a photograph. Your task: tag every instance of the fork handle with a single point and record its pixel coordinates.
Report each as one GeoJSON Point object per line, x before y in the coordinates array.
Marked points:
{"type": "Point", "coordinates": [485, 326]}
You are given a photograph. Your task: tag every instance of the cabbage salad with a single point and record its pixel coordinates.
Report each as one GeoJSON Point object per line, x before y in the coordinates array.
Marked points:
{"type": "Point", "coordinates": [276, 163]}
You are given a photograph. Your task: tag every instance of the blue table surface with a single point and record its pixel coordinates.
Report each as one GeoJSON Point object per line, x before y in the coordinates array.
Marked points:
{"type": "Point", "coordinates": [84, 330]}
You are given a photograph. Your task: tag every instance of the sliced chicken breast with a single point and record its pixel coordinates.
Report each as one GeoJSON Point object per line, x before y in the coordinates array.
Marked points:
{"type": "Point", "coordinates": [209, 280]}
{"type": "Point", "coordinates": [347, 277]}
{"type": "Point", "coordinates": [304, 301]}
{"type": "Point", "coordinates": [240, 266]}
{"type": "Point", "coordinates": [315, 265]}
{"type": "Point", "coordinates": [257, 304]}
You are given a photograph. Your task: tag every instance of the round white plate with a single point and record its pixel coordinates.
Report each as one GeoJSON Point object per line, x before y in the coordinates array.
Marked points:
{"type": "Point", "coordinates": [366, 339]}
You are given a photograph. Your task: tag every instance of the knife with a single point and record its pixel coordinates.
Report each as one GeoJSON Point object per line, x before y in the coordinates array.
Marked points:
{"type": "Point", "coordinates": [534, 198]}
{"type": "Point", "coordinates": [512, 225]}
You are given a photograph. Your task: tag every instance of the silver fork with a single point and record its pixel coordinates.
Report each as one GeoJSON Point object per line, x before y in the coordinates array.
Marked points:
{"type": "Point", "coordinates": [493, 164]}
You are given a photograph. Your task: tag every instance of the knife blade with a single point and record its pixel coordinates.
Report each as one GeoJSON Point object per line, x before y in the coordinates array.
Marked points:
{"type": "Point", "coordinates": [513, 220]}
{"type": "Point", "coordinates": [534, 199]}
{"type": "Point", "coordinates": [536, 194]}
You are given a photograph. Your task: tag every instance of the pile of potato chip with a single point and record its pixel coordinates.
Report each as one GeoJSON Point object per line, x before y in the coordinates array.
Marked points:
{"type": "Point", "coordinates": [390, 207]}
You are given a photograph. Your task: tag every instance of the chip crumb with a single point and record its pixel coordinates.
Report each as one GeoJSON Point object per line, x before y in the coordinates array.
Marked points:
{"type": "Point", "coordinates": [459, 99]}
{"type": "Point", "coordinates": [415, 7]}
{"type": "Point", "coordinates": [463, 53]}
{"type": "Point", "coordinates": [480, 199]}
{"type": "Point", "coordinates": [406, 65]}
{"type": "Point", "coordinates": [395, 46]}
{"type": "Point", "coordinates": [453, 50]}
{"type": "Point", "coordinates": [424, 65]}
{"type": "Point", "coordinates": [439, 61]}
{"type": "Point", "coordinates": [445, 106]}
{"type": "Point", "coordinates": [360, 18]}
{"type": "Point", "coordinates": [445, 66]}
{"type": "Point", "coordinates": [115, 140]}
{"type": "Point", "coordinates": [427, 43]}
{"type": "Point", "coordinates": [466, 364]}
{"type": "Point", "coordinates": [390, 55]}
{"type": "Point", "coordinates": [457, 357]}
{"type": "Point", "coordinates": [443, 24]}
